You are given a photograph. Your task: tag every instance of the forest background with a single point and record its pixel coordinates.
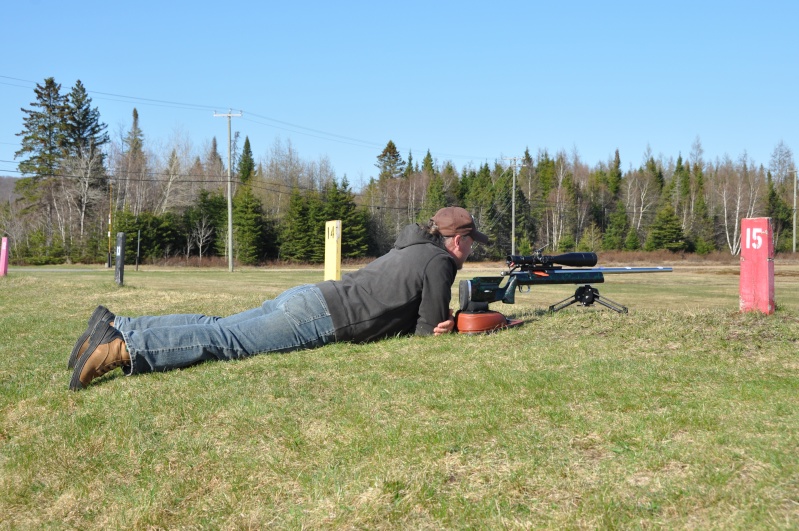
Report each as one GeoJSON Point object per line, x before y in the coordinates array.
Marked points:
{"type": "Point", "coordinates": [79, 187]}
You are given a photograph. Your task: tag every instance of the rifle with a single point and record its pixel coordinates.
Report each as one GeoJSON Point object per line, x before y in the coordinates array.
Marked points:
{"type": "Point", "coordinates": [538, 269]}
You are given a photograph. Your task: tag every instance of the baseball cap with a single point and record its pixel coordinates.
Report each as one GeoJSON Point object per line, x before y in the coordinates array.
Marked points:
{"type": "Point", "coordinates": [457, 220]}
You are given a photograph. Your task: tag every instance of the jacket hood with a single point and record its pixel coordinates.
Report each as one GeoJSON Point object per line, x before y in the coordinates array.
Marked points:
{"type": "Point", "coordinates": [416, 235]}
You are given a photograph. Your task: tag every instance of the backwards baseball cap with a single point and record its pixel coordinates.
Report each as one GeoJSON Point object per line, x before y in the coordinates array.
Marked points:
{"type": "Point", "coordinates": [457, 220]}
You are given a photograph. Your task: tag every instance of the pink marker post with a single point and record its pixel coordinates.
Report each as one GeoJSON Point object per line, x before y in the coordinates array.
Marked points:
{"type": "Point", "coordinates": [757, 266]}
{"type": "Point", "coordinates": [4, 258]}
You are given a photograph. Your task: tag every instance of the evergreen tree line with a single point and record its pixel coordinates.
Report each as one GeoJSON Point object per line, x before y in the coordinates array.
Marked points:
{"type": "Point", "coordinates": [559, 202]}
{"type": "Point", "coordinates": [79, 185]}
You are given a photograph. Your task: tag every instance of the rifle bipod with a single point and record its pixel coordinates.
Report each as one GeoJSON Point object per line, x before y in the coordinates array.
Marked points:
{"type": "Point", "coordinates": [588, 295]}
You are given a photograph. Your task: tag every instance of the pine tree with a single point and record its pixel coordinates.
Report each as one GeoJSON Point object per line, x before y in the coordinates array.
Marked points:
{"type": "Point", "coordinates": [479, 195]}
{"type": "Point", "coordinates": [545, 174]}
{"type": "Point", "coordinates": [539, 177]}
{"type": "Point", "coordinates": [134, 140]}
{"type": "Point", "coordinates": [467, 179]}
{"type": "Point", "coordinates": [781, 218]}
{"type": "Point", "coordinates": [428, 166]}
{"type": "Point", "coordinates": [246, 168]}
{"type": "Point", "coordinates": [665, 232]}
{"type": "Point", "coordinates": [248, 226]}
{"type": "Point", "coordinates": [42, 154]}
{"type": "Point", "coordinates": [500, 213]}
{"type": "Point", "coordinates": [702, 227]}
{"type": "Point", "coordinates": [84, 134]}
{"type": "Point", "coordinates": [434, 199]}
{"type": "Point", "coordinates": [566, 244]}
{"type": "Point", "coordinates": [84, 137]}
{"type": "Point", "coordinates": [683, 176]}
{"type": "Point", "coordinates": [614, 235]}
{"type": "Point", "coordinates": [43, 136]}
{"type": "Point", "coordinates": [213, 165]}
{"type": "Point", "coordinates": [452, 184]}
{"type": "Point", "coordinates": [354, 232]}
{"type": "Point", "coordinates": [134, 192]}
{"type": "Point", "coordinates": [656, 173]}
{"type": "Point", "coordinates": [631, 241]}
{"type": "Point", "coordinates": [390, 162]}
{"type": "Point", "coordinates": [591, 240]}
{"type": "Point", "coordinates": [409, 166]}
{"type": "Point", "coordinates": [339, 204]}
{"type": "Point", "coordinates": [615, 175]}
{"type": "Point", "coordinates": [602, 193]}
{"type": "Point", "coordinates": [295, 229]}
{"type": "Point", "coordinates": [315, 251]}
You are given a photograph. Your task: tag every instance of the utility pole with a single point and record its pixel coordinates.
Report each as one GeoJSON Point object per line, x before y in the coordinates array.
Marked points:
{"type": "Point", "coordinates": [110, 208]}
{"type": "Point", "coordinates": [229, 190]}
{"type": "Point", "coordinates": [513, 207]}
{"type": "Point", "coordinates": [795, 178]}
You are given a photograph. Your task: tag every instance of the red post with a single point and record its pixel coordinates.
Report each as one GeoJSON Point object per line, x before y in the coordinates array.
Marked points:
{"type": "Point", "coordinates": [4, 257]}
{"type": "Point", "coordinates": [757, 266]}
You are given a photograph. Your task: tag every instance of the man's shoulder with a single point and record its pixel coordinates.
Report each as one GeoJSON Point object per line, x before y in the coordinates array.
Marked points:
{"type": "Point", "coordinates": [412, 235]}
{"type": "Point", "coordinates": [417, 258]}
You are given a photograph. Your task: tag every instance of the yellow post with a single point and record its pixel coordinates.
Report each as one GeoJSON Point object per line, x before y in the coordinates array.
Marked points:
{"type": "Point", "coordinates": [333, 250]}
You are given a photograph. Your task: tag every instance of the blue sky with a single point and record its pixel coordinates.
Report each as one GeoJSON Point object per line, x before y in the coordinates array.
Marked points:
{"type": "Point", "coordinates": [472, 82]}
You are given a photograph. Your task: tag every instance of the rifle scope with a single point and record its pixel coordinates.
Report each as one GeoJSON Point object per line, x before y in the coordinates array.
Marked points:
{"type": "Point", "coordinates": [567, 259]}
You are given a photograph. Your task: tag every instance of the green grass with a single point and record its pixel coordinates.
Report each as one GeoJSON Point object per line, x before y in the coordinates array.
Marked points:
{"type": "Point", "coordinates": [683, 413]}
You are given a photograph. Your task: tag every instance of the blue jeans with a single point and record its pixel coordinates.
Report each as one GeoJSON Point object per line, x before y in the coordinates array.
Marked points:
{"type": "Point", "coordinates": [297, 319]}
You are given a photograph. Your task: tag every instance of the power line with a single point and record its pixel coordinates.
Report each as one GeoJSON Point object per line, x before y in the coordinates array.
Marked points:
{"type": "Point", "coordinates": [327, 136]}
{"type": "Point", "coordinates": [282, 125]}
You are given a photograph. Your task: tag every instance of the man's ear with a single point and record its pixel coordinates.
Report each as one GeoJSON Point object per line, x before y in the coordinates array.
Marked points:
{"type": "Point", "coordinates": [455, 241]}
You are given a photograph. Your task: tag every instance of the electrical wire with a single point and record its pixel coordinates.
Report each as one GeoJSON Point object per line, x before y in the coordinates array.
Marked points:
{"type": "Point", "coordinates": [262, 120]}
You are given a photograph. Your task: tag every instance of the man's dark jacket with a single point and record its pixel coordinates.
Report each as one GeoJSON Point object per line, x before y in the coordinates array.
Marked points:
{"type": "Point", "coordinates": [406, 291]}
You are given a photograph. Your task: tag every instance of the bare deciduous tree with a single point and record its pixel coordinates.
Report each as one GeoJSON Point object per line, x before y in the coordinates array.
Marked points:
{"type": "Point", "coordinates": [557, 208]}
{"type": "Point", "coordinates": [740, 189]}
{"type": "Point", "coordinates": [83, 185]}
{"type": "Point", "coordinates": [201, 234]}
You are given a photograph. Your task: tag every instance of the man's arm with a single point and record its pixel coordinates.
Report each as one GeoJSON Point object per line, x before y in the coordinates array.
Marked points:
{"type": "Point", "coordinates": [434, 310]}
{"type": "Point", "coordinates": [445, 327]}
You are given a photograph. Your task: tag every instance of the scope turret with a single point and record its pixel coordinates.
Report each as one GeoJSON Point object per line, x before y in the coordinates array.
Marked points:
{"type": "Point", "coordinates": [566, 259]}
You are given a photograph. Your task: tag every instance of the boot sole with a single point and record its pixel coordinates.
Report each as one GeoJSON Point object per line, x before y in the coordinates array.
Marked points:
{"type": "Point", "coordinates": [100, 314]}
{"type": "Point", "coordinates": [109, 335]}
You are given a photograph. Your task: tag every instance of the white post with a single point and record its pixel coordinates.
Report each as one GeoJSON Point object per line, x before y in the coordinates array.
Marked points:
{"type": "Point", "coordinates": [795, 178]}
{"type": "Point", "coordinates": [333, 250]}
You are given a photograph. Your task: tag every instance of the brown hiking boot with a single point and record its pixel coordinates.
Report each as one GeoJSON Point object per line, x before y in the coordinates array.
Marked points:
{"type": "Point", "coordinates": [109, 354]}
{"type": "Point", "coordinates": [98, 322]}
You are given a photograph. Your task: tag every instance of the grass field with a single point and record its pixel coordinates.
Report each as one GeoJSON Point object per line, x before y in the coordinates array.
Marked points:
{"type": "Point", "coordinates": [682, 414]}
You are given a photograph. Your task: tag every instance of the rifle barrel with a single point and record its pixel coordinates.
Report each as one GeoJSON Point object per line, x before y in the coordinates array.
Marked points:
{"type": "Point", "coordinates": [617, 270]}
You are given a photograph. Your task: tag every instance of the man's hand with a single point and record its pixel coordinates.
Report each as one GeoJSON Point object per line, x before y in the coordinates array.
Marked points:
{"type": "Point", "coordinates": [445, 327]}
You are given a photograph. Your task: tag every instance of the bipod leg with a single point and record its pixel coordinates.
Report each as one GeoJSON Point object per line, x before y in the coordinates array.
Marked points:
{"type": "Point", "coordinates": [587, 295]}
{"type": "Point", "coordinates": [607, 303]}
{"type": "Point", "coordinates": [562, 304]}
